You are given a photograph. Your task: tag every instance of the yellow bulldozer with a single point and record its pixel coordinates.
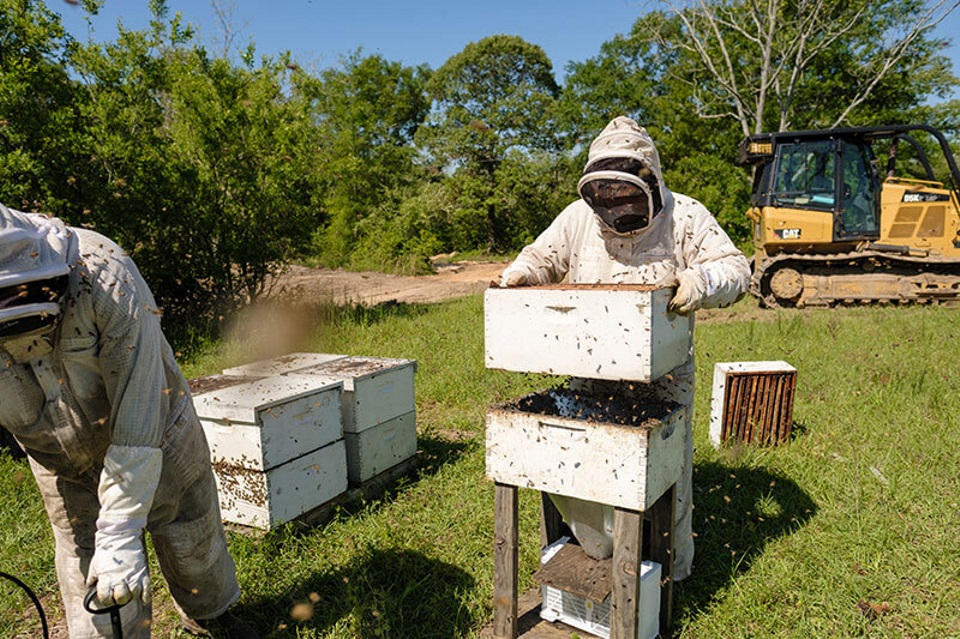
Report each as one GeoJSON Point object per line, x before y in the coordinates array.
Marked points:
{"type": "Point", "coordinates": [831, 227]}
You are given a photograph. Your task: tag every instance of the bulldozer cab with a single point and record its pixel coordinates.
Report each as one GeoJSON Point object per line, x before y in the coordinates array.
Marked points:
{"type": "Point", "coordinates": [825, 187]}
{"type": "Point", "coordinates": [832, 176]}
{"type": "Point", "coordinates": [822, 175]}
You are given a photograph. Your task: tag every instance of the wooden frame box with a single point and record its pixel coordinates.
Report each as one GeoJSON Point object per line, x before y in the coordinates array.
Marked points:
{"type": "Point", "coordinates": [616, 332]}
{"type": "Point", "coordinates": [534, 444]}
{"type": "Point", "coordinates": [752, 402]}
{"type": "Point", "coordinates": [268, 499]}
{"type": "Point", "coordinates": [264, 423]}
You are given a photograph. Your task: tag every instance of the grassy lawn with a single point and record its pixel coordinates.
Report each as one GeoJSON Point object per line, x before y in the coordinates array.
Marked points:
{"type": "Point", "coordinates": [850, 530]}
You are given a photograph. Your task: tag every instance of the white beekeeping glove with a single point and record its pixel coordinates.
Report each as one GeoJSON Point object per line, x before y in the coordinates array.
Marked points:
{"type": "Point", "coordinates": [127, 486]}
{"type": "Point", "coordinates": [513, 278]}
{"type": "Point", "coordinates": [691, 291]}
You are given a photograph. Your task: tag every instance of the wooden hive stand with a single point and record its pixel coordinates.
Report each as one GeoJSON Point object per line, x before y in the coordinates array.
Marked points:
{"type": "Point", "coordinates": [633, 469]}
{"type": "Point", "coordinates": [627, 544]}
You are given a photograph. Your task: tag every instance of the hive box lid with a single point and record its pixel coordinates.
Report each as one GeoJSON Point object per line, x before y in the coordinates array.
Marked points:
{"type": "Point", "coordinates": [283, 364]}
{"type": "Point", "coordinates": [615, 332]}
{"type": "Point", "coordinates": [356, 368]}
{"type": "Point", "coordinates": [246, 402]}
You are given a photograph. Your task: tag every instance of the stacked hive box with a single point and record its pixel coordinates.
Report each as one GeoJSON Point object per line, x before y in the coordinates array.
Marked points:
{"type": "Point", "coordinates": [276, 444]}
{"type": "Point", "coordinates": [566, 443]}
{"type": "Point", "coordinates": [379, 412]}
{"type": "Point", "coordinates": [378, 405]}
{"type": "Point", "coordinates": [612, 332]}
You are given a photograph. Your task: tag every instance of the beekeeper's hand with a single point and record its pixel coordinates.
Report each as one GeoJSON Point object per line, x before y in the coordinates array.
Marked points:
{"type": "Point", "coordinates": [691, 290]}
{"type": "Point", "coordinates": [513, 278]}
{"type": "Point", "coordinates": [127, 485]}
{"type": "Point", "coordinates": [119, 569]}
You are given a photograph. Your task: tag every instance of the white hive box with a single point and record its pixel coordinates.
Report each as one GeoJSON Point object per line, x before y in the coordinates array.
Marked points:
{"type": "Point", "coordinates": [266, 422]}
{"type": "Point", "coordinates": [268, 499]}
{"type": "Point", "coordinates": [375, 389]}
{"type": "Point", "coordinates": [282, 364]}
{"type": "Point", "coordinates": [616, 332]}
{"type": "Point", "coordinates": [379, 411]}
{"type": "Point", "coordinates": [276, 445]}
{"type": "Point", "coordinates": [380, 448]}
{"type": "Point", "coordinates": [752, 402]}
{"type": "Point", "coordinates": [594, 616]}
{"type": "Point", "coordinates": [589, 447]}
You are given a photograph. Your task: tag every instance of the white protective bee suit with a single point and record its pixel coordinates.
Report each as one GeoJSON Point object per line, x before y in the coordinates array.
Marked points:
{"type": "Point", "coordinates": [681, 245]}
{"type": "Point", "coordinates": [98, 402]}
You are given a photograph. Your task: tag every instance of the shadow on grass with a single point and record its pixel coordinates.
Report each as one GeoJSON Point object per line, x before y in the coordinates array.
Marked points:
{"type": "Point", "coordinates": [432, 454]}
{"type": "Point", "coordinates": [382, 593]}
{"type": "Point", "coordinates": [738, 511]}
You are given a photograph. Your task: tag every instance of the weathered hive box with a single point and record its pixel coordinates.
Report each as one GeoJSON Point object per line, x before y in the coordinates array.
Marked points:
{"type": "Point", "coordinates": [379, 411]}
{"type": "Point", "coordinates": [752, 402]}
{"type": "Point", "coordinates": [263, 423]}
{"type": "Point", "coordinates": [283, 493]}
{"type": "Point", "coordinates": [276, 444]}
{"type": "Point", "coordinates": [590, 447]}
{"type": "Point", "coordinates": [282, 364]}
{"type": "Point", "coordinates": [616, 332]}
{"type": "Point", "coordinates": [378, 449]}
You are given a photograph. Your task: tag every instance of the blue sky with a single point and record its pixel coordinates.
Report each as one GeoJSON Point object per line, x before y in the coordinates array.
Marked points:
{"type": "Point", "coordinates": [319, 32]}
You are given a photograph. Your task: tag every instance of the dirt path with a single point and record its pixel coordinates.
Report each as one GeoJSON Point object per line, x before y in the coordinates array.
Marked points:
{"type": "Point", "coordinates": [455, 279]}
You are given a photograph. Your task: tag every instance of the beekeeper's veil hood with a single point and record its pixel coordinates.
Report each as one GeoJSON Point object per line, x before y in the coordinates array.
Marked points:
{"type": "Point", "coordinates": [622, 181]}
{"type": "Point", "coordinates": [34, 270]}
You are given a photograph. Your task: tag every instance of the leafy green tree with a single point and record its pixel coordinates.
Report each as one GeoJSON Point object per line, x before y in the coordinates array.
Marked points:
{"type": "Point", "coordinates": [534, 187]}
{"type": "Point", "coordinates": [252, 151]}
{"type": "Point", "coordinates": [39, 124]}
{"type": "Point", "coordinates": [203, 170]}
{"type": "Point", "coordinates": [496, 96]}
{"type": "Point", "coordinates": [366, 113]}
{"type": "Point", "coordinates": [627, 77]}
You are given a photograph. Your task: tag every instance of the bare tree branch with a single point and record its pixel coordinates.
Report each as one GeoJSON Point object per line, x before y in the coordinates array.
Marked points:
{"type": "Point", "coordinates": [758, 51]}
{"type": "Point", "coordinates": [931, 18]}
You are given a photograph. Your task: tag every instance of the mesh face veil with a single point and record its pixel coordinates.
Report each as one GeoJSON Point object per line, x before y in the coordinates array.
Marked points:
{"type": "Point", "coordinates": [33, 275]}
{"type": "Point", "coordinates": [622, 192]}
{"type": "Point", "coordinates": [32, 307]}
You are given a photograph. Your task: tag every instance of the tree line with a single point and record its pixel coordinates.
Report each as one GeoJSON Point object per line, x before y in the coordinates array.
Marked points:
{"type": "Point", "coordinates": [216, 171]}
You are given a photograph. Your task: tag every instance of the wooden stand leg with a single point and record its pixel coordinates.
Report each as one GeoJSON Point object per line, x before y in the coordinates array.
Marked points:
{"type": "Point", "coordinates": [505, 562]}
{"type": "Point", "coordinates": [662, 546]}
{"type": "Point", "coordinates": [625, 597]}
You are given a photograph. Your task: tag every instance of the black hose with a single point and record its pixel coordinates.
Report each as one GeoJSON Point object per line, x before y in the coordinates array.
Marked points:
{"type": "Point", "coordinates": [33, 598]}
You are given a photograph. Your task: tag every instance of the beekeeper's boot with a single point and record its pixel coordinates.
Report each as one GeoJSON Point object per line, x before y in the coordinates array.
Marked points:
{"type": "Point", "coordinates": [226, 626]}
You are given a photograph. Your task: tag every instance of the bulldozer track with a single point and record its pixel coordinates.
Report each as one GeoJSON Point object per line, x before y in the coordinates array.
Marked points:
{"type": "Point", "coordinates": [855, 278]}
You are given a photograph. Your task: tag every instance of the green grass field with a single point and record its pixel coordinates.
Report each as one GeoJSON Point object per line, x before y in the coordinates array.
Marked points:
{"type": "Point", "coordinates": [850, 530]}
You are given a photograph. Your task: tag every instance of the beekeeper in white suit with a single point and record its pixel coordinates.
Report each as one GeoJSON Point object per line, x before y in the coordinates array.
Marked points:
{"type": "Point", "coordinates": [628, 228]}
{"type": "Point", "coordinates": [91, 391]}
